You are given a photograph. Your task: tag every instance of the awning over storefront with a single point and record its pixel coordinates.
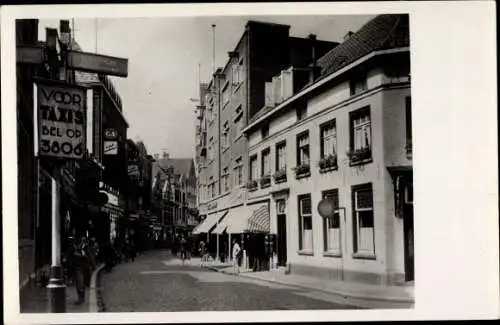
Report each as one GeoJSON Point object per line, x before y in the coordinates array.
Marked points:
{"type": "Point", "coordinates": [112, 209]}
{"type": "Point", "coordinates": [209, 222]}
{"type": "Point", "coordinates": [246, 218]}
{"type": "Point", "coordinates": [259, 221]}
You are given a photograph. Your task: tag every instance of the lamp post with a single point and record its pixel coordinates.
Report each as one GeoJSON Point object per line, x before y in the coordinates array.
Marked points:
{"type": "Point", "coordinates": [56, 286]}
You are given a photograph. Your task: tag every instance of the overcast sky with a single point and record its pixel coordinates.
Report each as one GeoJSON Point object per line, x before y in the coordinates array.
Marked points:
{"type": "Point", "coordinates": [164, 54]}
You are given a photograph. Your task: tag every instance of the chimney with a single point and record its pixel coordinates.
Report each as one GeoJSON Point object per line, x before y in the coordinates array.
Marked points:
{"type": "Point", "coordinates": [315, 70]}
{"type": "Point", "coordinates": [348, 35]}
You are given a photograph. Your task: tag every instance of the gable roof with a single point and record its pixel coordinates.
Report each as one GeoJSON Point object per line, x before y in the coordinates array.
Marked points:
{"type": "Point", "coordinates": [181, 166]}
{"type": "Point", "coordinates": [382, 32]}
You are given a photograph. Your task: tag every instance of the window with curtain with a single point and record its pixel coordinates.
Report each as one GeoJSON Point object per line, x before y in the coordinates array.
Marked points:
{"type": "Point", "coordinates": [361, 130]}
{"type": "Point", "coordinates": [280, 156]}
{"type": "Point", "coordinates": [364, 230]}
{"type": "Point", "coordinates": [266, 162]}
{"type": "Point", "coordinates": [331, 226]}
{"type": "Point", "coordinates": [303, 149]}
{"type": "Point", "coordinates": [254, 168]}
{"type": "Point", "coordinates": [305, 223]}
{"type": "Point", "coordinates": [328, 139]}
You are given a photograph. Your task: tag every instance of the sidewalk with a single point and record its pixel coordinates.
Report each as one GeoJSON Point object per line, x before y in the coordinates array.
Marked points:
{"type": "Point", "coordinates": [34, 299]}
{"type": "Point", "coordinates": [362, 295]}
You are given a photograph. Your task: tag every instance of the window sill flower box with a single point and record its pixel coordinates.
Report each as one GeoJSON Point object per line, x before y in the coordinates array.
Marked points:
{"type": "Point", "coordinates": [252, 185]}
{"type": "Point", "coordinates": [265, 181]}
{"type": "Point", "coordinates": [280, 176]}
{"type": "Point", "coordinates": [328, 163]}
{"type": "Point", "coordinates": [302, 171]}
{"type": "Point", "coordinates": [360, 156]}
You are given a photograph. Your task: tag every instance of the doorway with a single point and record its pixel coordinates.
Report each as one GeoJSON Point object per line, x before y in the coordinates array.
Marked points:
{"type": "Point", "coordinates": [408, 234]}
{"type": "Point", "coordinates": [282, 256]}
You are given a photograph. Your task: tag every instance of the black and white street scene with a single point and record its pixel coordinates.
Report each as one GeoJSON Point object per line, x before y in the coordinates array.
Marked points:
{"type": "Point", "coordinates": [214, 163]}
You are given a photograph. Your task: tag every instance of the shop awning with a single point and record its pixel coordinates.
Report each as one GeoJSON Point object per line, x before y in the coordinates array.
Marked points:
{"type": "Point", "coordinates": [209, 222]}
{"type": "Point", "coordinates": [259, 221]}
{"type": "Point", "coordinates": [112, 209]}
{"type": "Point", "coordinates": [249, 218]}
{"type": "Point", "coordinates": [223, 223]}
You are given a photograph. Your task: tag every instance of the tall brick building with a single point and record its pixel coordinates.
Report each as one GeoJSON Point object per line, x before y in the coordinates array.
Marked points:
{"type": "Point", "coordinates": [235, 93]}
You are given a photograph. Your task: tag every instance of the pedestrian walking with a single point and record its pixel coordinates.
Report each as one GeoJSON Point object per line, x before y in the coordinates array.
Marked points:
{"type": "Point", "coordinates": [81, 264]}
{"type": "Point", "coordinates": [236, 255]}
{"type": "Point", "coordinates": [183, 244]}
{"type": "Point", "coordinates": [108, 256]}
{"type": "Point", "coordinates": [203, 253]}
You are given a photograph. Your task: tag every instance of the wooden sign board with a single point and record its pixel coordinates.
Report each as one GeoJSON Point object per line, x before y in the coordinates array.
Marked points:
{"type": "Point", "coordinates": [98, 63]}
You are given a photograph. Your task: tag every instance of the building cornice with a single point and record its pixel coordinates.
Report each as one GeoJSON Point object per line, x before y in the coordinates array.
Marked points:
{"type": "Point", "coordinates": [320, 83]}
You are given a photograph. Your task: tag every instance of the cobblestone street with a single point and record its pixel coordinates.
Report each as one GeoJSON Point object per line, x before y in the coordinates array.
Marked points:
{"type": "Point", "coordinates": [156, 283]}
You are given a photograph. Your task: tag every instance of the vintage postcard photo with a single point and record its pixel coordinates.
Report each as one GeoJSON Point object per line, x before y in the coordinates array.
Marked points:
{"type": "Point", "coordinates": [240, 163]}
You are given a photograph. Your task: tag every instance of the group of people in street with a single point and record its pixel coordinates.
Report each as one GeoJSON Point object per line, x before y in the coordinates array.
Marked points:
{"type": "Point", "coordinates": [83, 254]}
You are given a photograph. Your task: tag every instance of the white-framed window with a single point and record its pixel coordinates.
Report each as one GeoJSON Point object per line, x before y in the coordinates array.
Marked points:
{"type": "Point", "coordinates": [266, 162]}
{"type": "Point", "coordinates": [225, 95]}
{"type": "Point", "coordinates": [237, 73]}
{"type": "Point", "coordinates": [238, 172]}
{"type": "Point", "coordinates": [280, 156]}
{"type": "Point", "coordinates": [225, 179]}
{"type": "Point", "coordinates": [361, 129]}
{"type": "Point", "coordinates": [328, 139]}
{"type": "Point", "coordinates": [331, 226]}
{"type": "Point", "coordinates": [225, 136]}
{"type": "Point", "coordinates": [303, 156]}
{"type": "Point", "coordinates": [254, 168]}
{"type": "Point", "coordinates": [364, 226]}
{"type": "Point", "coordinates": [239, 124]}
{"type": "Point", "coordinates": [305, 223]}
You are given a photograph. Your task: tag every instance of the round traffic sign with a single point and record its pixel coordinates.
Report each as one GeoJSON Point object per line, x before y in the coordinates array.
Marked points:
{"type": "Point", "coordinates": [326, 207]}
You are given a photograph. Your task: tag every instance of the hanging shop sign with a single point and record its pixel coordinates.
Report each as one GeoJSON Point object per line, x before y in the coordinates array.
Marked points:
{"type": "Point", "coordinates": [110, 147]}
{"type": "Point", "coordinates": [110, 134]}
{"type": "Point", "coordinates": [61, 120]}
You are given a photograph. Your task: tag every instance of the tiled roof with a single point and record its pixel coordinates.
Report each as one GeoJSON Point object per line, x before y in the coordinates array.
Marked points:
{"type": "Point", "coordinates": [181, 166]}
{"type": "Point", "coordinates": [382, 32]}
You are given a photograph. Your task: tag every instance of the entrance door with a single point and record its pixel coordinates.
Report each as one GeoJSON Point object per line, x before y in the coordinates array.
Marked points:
{"type": "Point", "coordinates": [282, 240]}
{"type": "Point", "coordinates": [408, 234]}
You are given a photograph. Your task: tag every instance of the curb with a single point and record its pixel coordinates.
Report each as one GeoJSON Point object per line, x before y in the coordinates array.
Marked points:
{"type": "Point", "coordinates": [94, 305]}
{"type": "Point", "coordinates": [409, 303]}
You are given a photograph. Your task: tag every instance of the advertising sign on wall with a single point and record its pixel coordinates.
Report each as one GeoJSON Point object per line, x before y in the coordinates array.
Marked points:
{"type": "Point", "coordinates": [110, 147]}
{"type": "Point", "coordinates": [61, 120]}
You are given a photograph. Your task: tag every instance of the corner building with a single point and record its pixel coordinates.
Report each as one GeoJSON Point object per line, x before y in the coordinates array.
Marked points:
{"type": "Point", "coordinates": [227, 102]}
{"type": "Point", "coordinates": [347, 135]}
